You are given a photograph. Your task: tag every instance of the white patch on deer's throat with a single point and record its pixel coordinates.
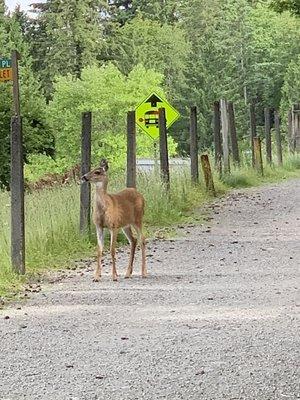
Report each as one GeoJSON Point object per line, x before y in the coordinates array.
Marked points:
{"type": "Point", "coordinates": [99, 185]}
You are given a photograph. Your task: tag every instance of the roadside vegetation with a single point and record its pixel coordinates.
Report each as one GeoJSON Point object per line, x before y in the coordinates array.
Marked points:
{"type": "Point", "coordinates": [52, 215]}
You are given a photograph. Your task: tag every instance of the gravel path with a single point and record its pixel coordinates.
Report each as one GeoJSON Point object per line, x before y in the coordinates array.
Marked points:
{"type": "Point", "coordinates": [216, 319]}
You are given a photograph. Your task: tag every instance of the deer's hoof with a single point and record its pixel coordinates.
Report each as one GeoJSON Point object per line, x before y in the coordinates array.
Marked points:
{"type": "Point", "coordinates": [96, 280]}
{"type": "Point", "coordinates": [115, 279]}
{"type": "Point", "coordinates": [144, 276]}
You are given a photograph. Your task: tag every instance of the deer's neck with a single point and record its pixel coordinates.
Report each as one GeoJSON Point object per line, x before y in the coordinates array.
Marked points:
{"type": "Point", "coordinates": [101, 195]}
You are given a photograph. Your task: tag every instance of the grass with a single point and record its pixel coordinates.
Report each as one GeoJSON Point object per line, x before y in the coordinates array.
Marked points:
{"type": "Point", "coordinates": [52, 238]}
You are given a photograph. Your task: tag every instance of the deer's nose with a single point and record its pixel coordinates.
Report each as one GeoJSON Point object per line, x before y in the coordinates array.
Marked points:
{"type": "Point", "coordinates": [84, 179]}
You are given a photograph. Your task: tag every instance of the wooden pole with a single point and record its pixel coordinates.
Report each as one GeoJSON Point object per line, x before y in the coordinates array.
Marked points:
{"type": "Point", "coordinates": [258, 155]}
{"type": "Point", "coordinates": [233, 135]}
{"type": "Point", "coordinates": [225, 135]}
{"type": "Point", "coordinates": [163, 147]}
{"type": "Point", "coordinates": [131, 149]}
{"type": "Point", "coordinates": [268, 135]}
{"type": "Point", "coordinates": [296, 126]}
{"type": "Point", "coordinates": [15, 56]}
{"type": "Point", "coordinates": [217, 137]}
{"type": "Point", "coordinates": [278, 138]}
{"type": "Point", "coordinates": [194, 145]}
{"type": "Point", "coordinates": [290, 132]}
{"type": "Point", "coordinates": [252, 131]}
{"type": "Point", "coordinates": [85, 189]}
{"type": "Point", "coordinates": [208, 177]}
{"type": "Point", "coordinates": [17, 177]}
{"type": "Point", "coordinates": [17, 197]}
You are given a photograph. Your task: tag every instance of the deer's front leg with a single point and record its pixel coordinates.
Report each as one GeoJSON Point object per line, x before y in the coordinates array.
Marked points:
{"type": "Point", "coordinates": [100, 240]}
{"type": "Point", "coordinates": [113, 241]}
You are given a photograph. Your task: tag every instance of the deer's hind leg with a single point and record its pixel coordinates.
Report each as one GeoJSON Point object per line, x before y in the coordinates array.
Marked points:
{"type": "Point", "coordinates": [100, 240]}
{"type": "Point", "coordinates": [132, 240]}
{"type": "Point", "coordinates": [142, 241]}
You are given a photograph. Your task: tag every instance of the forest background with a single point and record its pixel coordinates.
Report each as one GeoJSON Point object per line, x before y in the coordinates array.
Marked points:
{"type": "Point", "coordinates": [105, 57]}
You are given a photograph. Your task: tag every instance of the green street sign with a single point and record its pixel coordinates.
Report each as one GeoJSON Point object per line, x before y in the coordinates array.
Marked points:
{"type": "Point", "coordinates": [146, 114]}
{"type": "Point", "coordinates": [5, 63]}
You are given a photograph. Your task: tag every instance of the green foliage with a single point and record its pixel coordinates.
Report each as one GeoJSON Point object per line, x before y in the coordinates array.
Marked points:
{"type": "Point", "coordinates": [286, 5]}
{"type": "Point", "coordinates": [109, 95]}
{"type": "Point", "coordinates": [65, 36]}
{"type": "Point", "coordinates": [167, 53]}
{"type": "Point", "coordinates": [272, 53]}
{"type": "Point", "coordinates": [291, 86]}
{"type": "Point", "coordinates": [123, 11]}
{"type": "Point", "coordinates": [35, 130]}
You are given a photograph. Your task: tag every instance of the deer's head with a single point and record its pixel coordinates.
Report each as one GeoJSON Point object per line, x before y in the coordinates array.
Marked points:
{"type": "Point", "coordinates": [97, 175]}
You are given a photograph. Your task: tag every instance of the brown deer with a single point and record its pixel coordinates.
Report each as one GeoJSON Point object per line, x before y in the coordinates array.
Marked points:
{"type": "Point", "coordinates": [124, 210]}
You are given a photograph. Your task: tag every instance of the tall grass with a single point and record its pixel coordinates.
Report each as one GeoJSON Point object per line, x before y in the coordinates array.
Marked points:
{"type": "Point", "coordinates": [52, 218]}
{"type": "Point", "coordinates": [52, 215]}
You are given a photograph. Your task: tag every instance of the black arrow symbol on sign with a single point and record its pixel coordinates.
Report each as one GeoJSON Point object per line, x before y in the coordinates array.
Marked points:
{"type": "Point", "coordinates": [153, 100]}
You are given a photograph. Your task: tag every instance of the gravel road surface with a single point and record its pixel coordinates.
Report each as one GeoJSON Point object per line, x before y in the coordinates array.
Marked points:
{"type": "Point", "coordinates": [216, 319]}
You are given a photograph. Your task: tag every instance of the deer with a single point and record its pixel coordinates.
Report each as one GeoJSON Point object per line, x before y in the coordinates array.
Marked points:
{"type": "Point", "coordinates": [123, 210]}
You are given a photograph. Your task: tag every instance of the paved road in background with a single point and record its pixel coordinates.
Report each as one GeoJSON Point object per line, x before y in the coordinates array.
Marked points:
{"type": "Point", "coordinates": [216, 319]}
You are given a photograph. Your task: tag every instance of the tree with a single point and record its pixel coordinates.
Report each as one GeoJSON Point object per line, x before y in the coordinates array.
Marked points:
{"type": "Point", "coordinates": [219, 58]}
{"type": "Point", "coordinates": [286, 5]}
{"type": "Point", "coordinates": [240, 51]}
{"type": "Point", "coordinates": [36, 134]}
{"type": "Point", "coordinates": [109, 94]}
{"type": "Point", "coordinates": [164, 11]}
{"type": "Point", "coordinates": [162, 47]}
{"type": "Point", "coordinates": [65, 37]}
{"type": "Point", "coordinates": [275, 42]}
{"type": "Point", "coordinates": [291, 86]}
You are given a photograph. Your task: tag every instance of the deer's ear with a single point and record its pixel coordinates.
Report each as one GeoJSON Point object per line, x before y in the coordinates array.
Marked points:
{"type": "Point", "coordinates": [104, 165]}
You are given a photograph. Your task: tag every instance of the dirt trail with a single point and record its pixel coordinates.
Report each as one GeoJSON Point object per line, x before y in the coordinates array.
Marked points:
{"type": "Point", "coordinates": [216, 319]}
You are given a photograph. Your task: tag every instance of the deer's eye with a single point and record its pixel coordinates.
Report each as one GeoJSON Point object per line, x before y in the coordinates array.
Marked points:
{"type": "Point", "coordinates": [97, 172]}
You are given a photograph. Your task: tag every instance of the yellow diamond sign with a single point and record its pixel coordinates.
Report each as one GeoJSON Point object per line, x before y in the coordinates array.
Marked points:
{"type": "Point", "coordinates": [146, 114]}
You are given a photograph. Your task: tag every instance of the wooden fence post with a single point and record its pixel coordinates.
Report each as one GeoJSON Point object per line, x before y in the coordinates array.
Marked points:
{"type": "Point", "coordinates": [194, 145]}
{"type": "Point", "coordinates": [258, 155]}
{"type": "Point", "coordinates": [217, 137]}
{"type": "Point", "coordinates": [17, 197]}
{"type": "Point", "coordinates": [163, 147]}
{"type": "Point", "coordinates": [85, 188]}
{"type": "Point", "coordinates": [131, 149]}
{"type": "Point", "coordinates": [252, 131]}
{"type": "Point", "coordinates": [268, 135]}
{"type": "Point", "coordinates": [233, 135]}
{"type": "Point", "coordinates": [208, 177]}
{"type": "Point", "coordinates": [290, 132]}
{"type": "Point", "coordinates": [296, 126]}
{"type": "Point", "coordinates": [278, 138]}
{"type": "Point", "coordinates": [225, 135]}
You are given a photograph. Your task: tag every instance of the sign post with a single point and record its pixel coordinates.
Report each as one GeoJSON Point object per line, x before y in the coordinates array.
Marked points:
{"type": "Point", "coordinates": [131, 150]}
{"type": "Point", "coordinates": [163, 148]}
{"type": "Point", "coordinates": [15, 56]}
{"type": "Point", "coordinates": [9, 72]}
{"type": "Point", "coordinates": [154, 115]}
